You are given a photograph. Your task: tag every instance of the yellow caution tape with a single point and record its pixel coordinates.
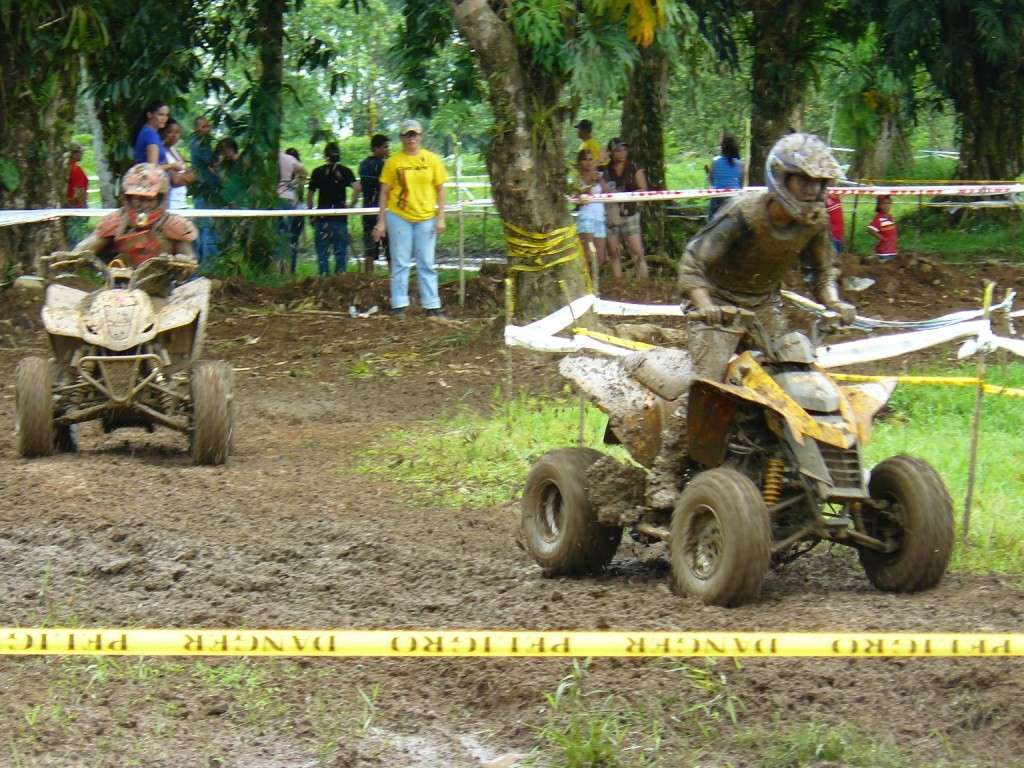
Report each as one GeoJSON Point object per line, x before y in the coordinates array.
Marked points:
{"type": "Point", "coordinates": [953, 381]}
{"type": "Point", "coordinates": [617, 341]}
{"type": "Point", "coordinates": [500, 644]}
{"type": "Point", "coordinates": [539, 251]}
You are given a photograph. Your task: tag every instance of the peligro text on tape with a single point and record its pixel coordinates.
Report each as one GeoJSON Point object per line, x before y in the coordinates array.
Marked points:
{"type": "Point", "coordinates": [501, 644]}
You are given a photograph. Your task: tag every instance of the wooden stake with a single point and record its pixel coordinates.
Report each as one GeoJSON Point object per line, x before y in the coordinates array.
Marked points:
{"type": "Point", "coordinates": [986, 304]}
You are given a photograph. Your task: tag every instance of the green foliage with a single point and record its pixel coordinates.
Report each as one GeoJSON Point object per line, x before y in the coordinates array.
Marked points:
{"type": "Point", "coordinates": [9, 176]}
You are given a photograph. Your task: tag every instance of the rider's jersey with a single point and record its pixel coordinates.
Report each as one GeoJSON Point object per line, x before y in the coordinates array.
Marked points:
{"type": "Point", "coordinates": [741, 256]}
{"type": "Point", "coordinates": [140, 245]}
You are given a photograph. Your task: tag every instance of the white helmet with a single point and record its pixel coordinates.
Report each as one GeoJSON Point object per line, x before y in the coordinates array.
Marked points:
{"type": "Point", "coordinates": [806, 154]}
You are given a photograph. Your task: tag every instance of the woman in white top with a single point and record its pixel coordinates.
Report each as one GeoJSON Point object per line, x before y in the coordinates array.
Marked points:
{"type": "Point", "coordinates": [179, 179]}
{"type": "Point", "coordinates": [590, 218]}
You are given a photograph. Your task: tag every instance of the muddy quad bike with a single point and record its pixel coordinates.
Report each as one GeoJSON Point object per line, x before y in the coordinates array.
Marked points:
{"type": "Point", "coordinates": [125, 354]}
{"type": "Point", "coordinates": [773, 468]}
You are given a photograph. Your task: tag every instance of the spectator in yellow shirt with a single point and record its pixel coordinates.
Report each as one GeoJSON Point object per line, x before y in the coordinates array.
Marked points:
{"type": "Point", "coordinates": [585, 130]}
{"type": "Point", "coordinates": [412, 216]}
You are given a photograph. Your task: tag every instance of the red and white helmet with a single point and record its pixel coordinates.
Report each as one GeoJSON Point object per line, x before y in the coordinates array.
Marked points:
{"type": "Point", "coordinates": [145, 180]}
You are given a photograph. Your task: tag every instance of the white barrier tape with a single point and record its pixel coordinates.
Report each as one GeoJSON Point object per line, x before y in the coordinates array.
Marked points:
{"type": "Point", "coordinates": [870, 323]}
{"type": "Point", "coordinates": [541, 334]}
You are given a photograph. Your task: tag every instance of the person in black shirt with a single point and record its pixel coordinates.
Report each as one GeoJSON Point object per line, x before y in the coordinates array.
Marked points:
{"type": "Point", "coordinates": [332, 180]}
{"type": "Point", "coordinates": [369, 177]}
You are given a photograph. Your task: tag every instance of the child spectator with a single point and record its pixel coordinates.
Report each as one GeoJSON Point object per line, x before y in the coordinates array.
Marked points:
{"type": "Point", "coordinates": [590, 220]}
{"type": "Point", "coordinates": [883, 229]}
{"type": "Point", "coordinates": [834, 207]}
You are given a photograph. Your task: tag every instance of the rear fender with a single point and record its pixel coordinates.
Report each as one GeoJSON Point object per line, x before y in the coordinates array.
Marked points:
{"type": "Point", "coordinates": [635, 414]}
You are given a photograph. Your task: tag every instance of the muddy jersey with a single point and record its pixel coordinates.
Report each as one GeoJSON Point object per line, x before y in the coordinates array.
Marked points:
{"type": "Point", "coordinates": [741, 256]}
{"type": "Point", "coordinates": [140, 245]}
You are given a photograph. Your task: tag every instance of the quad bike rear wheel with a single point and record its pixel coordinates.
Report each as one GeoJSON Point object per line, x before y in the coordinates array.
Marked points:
{"type": "Point", "coordinates": [33, 407]}
{"type": "Point", "coordinates": [559, 527]}
{"type": "Point", "coordinates": [918, 515]}
{"type": "Point", "coordinates": [212, 411]}
{"type": "Point", "coordinates": [721, 538]}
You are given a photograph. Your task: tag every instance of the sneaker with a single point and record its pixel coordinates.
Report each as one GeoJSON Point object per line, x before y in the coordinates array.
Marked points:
{"type": "Point", "coordinates": [437, 312]}
{"type": "Point", "coordinates": [398, 311]}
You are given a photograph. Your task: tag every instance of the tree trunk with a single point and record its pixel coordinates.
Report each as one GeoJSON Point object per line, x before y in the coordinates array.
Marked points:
{"type": "Point", "coordinates": [885, 153]}
{"type": "Point", "coordinates": [779, 75]}
{"type": "Point", "coordinates": [264, 140]}
{"type": "Point", "coordinates": [643, 128]}
{"type": "Point", "coordinates": [525, 156]}
{"type": "Point", "coordinates": [991, 119]}
{"type": "Point", "coordinates": [108, 197]}
{"type": "Point", "coordinates": [37, 109]}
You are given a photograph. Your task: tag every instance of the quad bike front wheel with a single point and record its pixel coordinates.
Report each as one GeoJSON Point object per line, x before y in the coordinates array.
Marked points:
{"type": "Point", "coordinates": [33, 407]}
{"type": "Point", "coordinates": [918, 516]}
{"type": "Point", "coordinates": [721, 538]}
{"type": "Point", "coordinates": [212, 411]}
{"type": "Point", "coordinates": [559, 527]}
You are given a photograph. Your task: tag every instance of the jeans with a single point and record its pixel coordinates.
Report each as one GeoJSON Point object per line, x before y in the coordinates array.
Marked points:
{"type": "Point", "coordinates": [408, 239]}
{"type": "Point", "coordinates": [289, 229]}
{"type": "Point", "coordinates": [206, 243]}
{"type": "Point", "coordinates": [331, 232]}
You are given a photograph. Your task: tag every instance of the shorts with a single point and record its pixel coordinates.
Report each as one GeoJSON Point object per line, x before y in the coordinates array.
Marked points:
{"type": "Point", "coordinates": [587, 225]}
{"type": "Point", "coordinates": [628, 225]}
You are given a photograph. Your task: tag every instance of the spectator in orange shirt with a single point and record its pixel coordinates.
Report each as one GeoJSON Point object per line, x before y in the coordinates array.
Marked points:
{"type": "Point", "coordinates": [883, 229]}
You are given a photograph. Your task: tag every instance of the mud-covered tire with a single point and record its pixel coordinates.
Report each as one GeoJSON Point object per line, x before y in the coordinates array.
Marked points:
{"type": "Point", "coordinates": [559, 527]}
{"type": "Point", "coordinates": [922, 518]}
{"type": "Point", "coordinates": [33, 407]}
{"type": "Point", "coordinates": [212, 386]}
{"type": "Point", "coordinates": [721, 538]}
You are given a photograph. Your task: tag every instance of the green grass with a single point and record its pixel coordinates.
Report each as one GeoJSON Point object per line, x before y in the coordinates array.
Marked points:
{"type": "Point", "coordinates": [813, 744]}
{"type": "Point", "coordinates": [935, 423]}
{"type": "Point", "coordinates": [473, 460]}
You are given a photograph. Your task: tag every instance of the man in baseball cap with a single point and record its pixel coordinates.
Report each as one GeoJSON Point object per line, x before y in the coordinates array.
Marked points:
{"type": "Point", "coordinates": [584, 129]}
{"type": "Point", "coordinates": [77, 195]}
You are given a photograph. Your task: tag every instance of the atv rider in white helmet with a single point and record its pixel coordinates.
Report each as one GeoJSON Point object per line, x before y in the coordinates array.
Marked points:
{"type": "Point", "coordinates": [738, 260]}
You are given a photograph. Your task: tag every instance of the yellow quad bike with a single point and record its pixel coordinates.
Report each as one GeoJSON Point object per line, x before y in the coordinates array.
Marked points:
{"type": "Point", "coordinates": [774, 467]}
{"type": "Point", "coordinates": [126, 355]}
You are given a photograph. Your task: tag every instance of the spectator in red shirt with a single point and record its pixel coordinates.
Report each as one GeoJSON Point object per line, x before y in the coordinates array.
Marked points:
{"type": "Point", "coordinates": [834, 206]}
{"type": "Point", "coordinates": [883, 229]}
{"type": "Point", "coordinates": [77, 196]}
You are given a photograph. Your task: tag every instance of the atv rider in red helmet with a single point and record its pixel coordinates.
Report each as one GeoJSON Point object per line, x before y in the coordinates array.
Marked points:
{"type": "Point", "coordinates": [142, 228]}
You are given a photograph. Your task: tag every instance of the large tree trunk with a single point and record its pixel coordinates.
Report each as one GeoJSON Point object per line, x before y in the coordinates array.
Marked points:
{"type": "Point", "coordinates": [643, 128]}
{"type": "Point", "coordinates": [991, 125]}
{"type": "Point", "coordinates": [264, 140]}
{"type": "Point", "coordinates": [779, 74]}
{"type": "Point", "coordinates": [37, 108]}
{"type": "Point", "coordinates": [524, 158]}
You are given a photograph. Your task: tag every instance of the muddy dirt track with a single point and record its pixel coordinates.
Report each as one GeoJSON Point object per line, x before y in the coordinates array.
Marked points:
{"type": "Point", "coordinates": [289, 534]}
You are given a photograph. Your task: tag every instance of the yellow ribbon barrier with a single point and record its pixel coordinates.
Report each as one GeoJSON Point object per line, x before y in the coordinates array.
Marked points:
{"type": "Point", "coordinates": [22, 641]}
{"type": "Point", "coordinates": [617, 341]}
{"type": "Point", "coordinates": [953, 381]}
{"type": "Point", "coordinates": [538, 251]}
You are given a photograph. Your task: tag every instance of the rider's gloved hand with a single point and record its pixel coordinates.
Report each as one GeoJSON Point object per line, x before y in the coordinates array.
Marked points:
{"type": "Point", "coordinates": [846, 311]}
{"type": "Point", "coordinates": [710, 312]}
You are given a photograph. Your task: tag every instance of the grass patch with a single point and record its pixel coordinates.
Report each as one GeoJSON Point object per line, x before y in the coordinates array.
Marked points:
{"type": "Point", "coordinates": [817, 744]}
{"type": "Point", "coordinates": [475, 460]}
{"type": "Point", "coordinates": [935, 423]}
